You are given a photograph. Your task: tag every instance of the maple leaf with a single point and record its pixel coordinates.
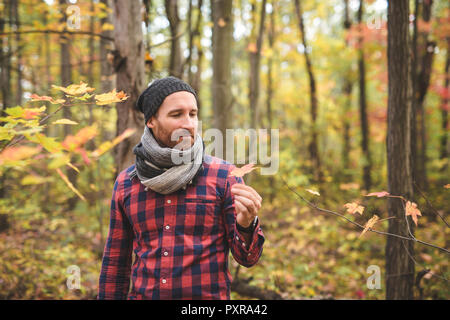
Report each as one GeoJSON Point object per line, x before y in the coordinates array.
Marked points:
{"type": "Point", "coordinates": [411, 210]}
{"type": "Point", "coordinates": [110, 97]}
{"type": "Point", "coordinates": [354, 207]}
{"type": "Point", "coordinates": [71, 142]}
{"type": "Point", "coordinates": [75, 89]}
{"type": "Point", "coordinates": [378, 194]}
{"type": "Point", "coordinates": [11, 154]}
{"type": "Point", "coordinates": [370, 224]}
{"type": "Point", "coordinates": [35, 97]}
{"type": "Point", "coordinates": [240, 172]}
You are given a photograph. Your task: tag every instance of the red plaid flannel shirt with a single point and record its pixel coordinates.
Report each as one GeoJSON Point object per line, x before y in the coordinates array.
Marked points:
{"type": "Point", "coordinates": [181, 241]}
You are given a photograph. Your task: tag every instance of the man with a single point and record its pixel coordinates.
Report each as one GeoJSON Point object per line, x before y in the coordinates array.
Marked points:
{"type": "Point", "coordinates": [180, 218]}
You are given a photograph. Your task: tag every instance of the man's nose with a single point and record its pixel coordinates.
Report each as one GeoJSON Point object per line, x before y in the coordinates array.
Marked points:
{"type": "Point", "coordinates": [189, 123]}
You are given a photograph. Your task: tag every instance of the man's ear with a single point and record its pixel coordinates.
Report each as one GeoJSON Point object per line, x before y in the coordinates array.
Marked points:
{"type": "Point", "coordinates": [151, 122]}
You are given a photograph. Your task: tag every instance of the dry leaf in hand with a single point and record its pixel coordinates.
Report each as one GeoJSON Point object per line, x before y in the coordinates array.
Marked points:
{"type": "Point", "coordinates": [370, 224]}
{"type": "Point", "coordinates": [240, 172]}
{"type": "Point", "coordinates": [411, 210]}
{"type": "Point", "coordinates": [354, 207]}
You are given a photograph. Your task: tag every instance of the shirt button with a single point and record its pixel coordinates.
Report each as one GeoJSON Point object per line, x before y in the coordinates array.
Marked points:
{"type": "Point", "coordinates": [237, 237]}
{"type": "Point", "coordinates": [169, 201]}
{"type": "Point", "coordinates": [166, 253]}
{"type": "Point", "coordinates": [167, 227]}
{"type": "Point", "coordinates": [163, 280]}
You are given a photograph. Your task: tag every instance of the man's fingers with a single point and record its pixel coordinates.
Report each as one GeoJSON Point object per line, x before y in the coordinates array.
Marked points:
{"type": "Point", "coordinates": [251, 206]}
{"type": "Point", "coordinates": [239, 186]}
{"type": "Point", "coordinates": [246, 191]}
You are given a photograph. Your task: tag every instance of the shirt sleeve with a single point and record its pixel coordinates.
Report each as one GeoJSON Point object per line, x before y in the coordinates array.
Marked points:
{"type": "Point", "coordinates": [114, 279]}
{"type": "Point", "coordinates": [246, 257]}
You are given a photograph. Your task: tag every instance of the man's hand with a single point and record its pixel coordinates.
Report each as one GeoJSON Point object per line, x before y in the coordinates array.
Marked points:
{"type": "Point", "coordinates": [247, 203]}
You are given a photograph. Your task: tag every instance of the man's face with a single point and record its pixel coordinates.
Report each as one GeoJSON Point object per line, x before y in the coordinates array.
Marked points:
{"type": "Point", "coordinates": [175, 123]}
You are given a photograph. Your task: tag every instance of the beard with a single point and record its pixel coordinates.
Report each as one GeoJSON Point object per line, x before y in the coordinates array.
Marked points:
{"type": "Point", "coordinates": [180, 139]}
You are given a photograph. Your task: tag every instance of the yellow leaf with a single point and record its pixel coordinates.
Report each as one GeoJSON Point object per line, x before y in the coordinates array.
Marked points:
{"type": "Point", "coordinates": [64, 121]}
{"type": "Point", "coordinates": [70, 185]}
{"type": "Point", "coordinates": [370, 224]}
{"type": "Point", "coordinates": [110, 97]}
{"type": "Point", "coordinates": [107, 26]}
{"type": "Point", "coordinates": [75, 89]}
{"type": "Point", "coordinates": [354, 207]}
{"type": "Point", "coordinates": [33, 179]}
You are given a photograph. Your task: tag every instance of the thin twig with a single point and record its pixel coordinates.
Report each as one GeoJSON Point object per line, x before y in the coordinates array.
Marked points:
{"type": "Point", "coordinates": [428, 202]}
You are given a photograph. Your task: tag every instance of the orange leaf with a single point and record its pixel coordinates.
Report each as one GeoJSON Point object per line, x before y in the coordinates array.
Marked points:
{"type": "Point", "coordinates": [370, 224]}
{"type": "Point", "coordinates": [354, 207]}
{"type": "Point", "coordinates": [378, 194]}
{"type": "Point", "coordinates": [18, 153]}
{"type": "Point", "coordinates": [447, 186]}
{"type": "Point", "coordinates": [411, 210]}
{"type": "Point", "coordinates": [240, 172]}
{"type": "Point", "coordinates": [35, 97]}
{"type": "Point", "coordinates": [71, 143]}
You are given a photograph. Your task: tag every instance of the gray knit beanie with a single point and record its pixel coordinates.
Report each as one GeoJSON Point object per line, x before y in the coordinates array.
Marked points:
{"type": "Point", "coordinates": [151, 98]}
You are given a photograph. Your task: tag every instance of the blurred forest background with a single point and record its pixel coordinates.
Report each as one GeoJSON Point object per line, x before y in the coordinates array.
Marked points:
{"type": "Point", "coordinates": [321, 72]}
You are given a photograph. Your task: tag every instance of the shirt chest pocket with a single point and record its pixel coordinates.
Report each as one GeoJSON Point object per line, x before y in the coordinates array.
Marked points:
{"type": "Point", "coordinates": [201, 216]}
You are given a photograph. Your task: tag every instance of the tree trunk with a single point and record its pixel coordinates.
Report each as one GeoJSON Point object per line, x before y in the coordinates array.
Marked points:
{"type": "Point", "coordinates": [129, 67]}
{"type": "Point", "coordinates": [6, 63]}
{"type": "Point", "coordinates": [255, 59]}
{"type": "Point", "coordinates": [367, 160]}
{"type": "Point", "coordinates": [270, 91]}
{"type": "Point", "coordinates": [347, 90]}
{"type": "Point", "coordinates": [175, 66]}
{"type": "Point", "coordinates": [222, 39]}
{"type": "Point", "coordinates": [195, 32]}
{"type": "Point", "coordinates": [19, 94]}
{"type": "Point", "coordinates": [313, 145]}
{"type": "Point", "coordinates": [444, 152]}
{"type": "Point", "coordinates": [399, 266]}
{"type": "Point", "coordinates": [66, 79]}
{"type": "Point", "coordinates": [423, 52]}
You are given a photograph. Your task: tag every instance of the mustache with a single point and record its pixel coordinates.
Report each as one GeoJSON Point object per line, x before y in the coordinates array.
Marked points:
{"type": "Point", "coordinates": [180, 133]}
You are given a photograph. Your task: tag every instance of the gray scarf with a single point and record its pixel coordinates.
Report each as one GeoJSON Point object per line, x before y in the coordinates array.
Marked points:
{"type": "Point", "coordinates": [166, 170]}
